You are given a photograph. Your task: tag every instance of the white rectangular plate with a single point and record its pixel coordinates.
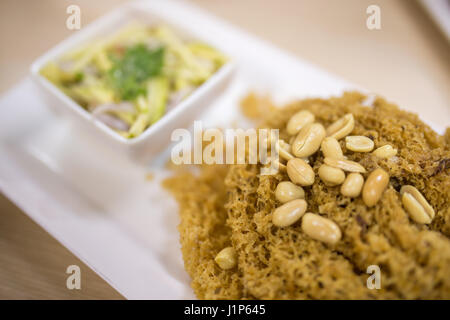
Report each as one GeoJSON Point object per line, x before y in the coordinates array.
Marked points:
{"type": "Point", "coordinates": [100, 205]}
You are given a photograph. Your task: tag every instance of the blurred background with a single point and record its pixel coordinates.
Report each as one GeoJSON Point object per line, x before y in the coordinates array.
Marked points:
{"type": "Point", "coordinates": [406, 61]}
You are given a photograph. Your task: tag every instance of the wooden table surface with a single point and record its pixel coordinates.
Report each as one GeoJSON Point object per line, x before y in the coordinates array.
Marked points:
{"type": "Point", "coordinates": [408, 61]}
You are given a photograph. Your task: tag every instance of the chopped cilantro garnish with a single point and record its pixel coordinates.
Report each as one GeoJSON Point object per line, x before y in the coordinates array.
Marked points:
{"type": "Point", "coordinates": [79, 76]}
{"type": "Point", "coordinates": [129, 73]}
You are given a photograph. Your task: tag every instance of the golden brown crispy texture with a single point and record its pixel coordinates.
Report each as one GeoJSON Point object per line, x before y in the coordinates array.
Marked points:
{"type": "Point", "coordinates": [232, 205]}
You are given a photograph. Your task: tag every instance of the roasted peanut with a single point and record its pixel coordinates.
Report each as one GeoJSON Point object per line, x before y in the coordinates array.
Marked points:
{"type": "Point", "coordinates": [308, 140]}
{"type": "Point", "coordinates": [359, 143]}
{"type": "Point", "coordinates": [346, 165]}
{"type": "Point", "coordinates": [284, 150]}
{"type": "Point", "coordinates": [226, 258]}
{"type": "Point", "coordinates": [374, 187]}
{"type": "Point", "coordinates": [331, 176]}
{"type": "Point", "coordinates": [416, 205]}
{"type": "Point", "coordinates": [352, 185]}
{"type": "Point", "coordinates": [385, 151]}
{"type": "Point", "coordinates": [298, 121]}
{"type": "Point", "coordinates": [287, 191]}
{"type": "Point", "coordinates": [320, 228]}
{"type": "Point", "coordinates": [331, 148]}
{"type": "Point", "coordinates": [300, 172]}
{"type": "Point", "coordinates": [342, 127]}
{"type": "Point", "coordinates": [289, 213]}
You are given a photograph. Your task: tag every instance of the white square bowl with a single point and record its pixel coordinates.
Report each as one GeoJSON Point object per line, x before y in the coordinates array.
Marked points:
{"type": "Point", "coordinates": [157, 137]}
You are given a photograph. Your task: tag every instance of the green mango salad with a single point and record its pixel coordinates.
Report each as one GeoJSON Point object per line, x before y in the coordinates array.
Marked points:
{"type": "Point", "coordinates": [129, 80]}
